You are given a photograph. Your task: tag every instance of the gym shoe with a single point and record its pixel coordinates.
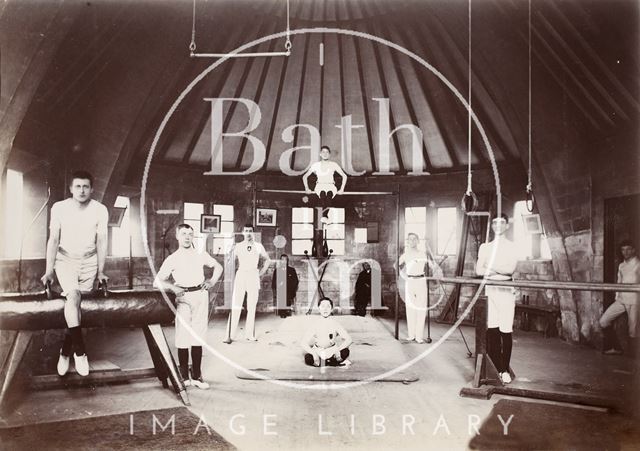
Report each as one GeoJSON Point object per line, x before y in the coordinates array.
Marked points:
{"type": "Point", "coordinates": [346, 362]}
{"type": "Point", "coordinates": [408, 338]}
{"type": "Point", "coordinates": [506, 377]}
{"type": "Point", "coordinates": [200, 383]}
{"type": "Point", "coordinates": [420, 341]}
{"type": "Point", "coordinates": [612, 351]}
{"type": "Point", "coordinates": [63, 364]}
{"type": "Point", "coordinates": [187, 382]}
{"type": "Point", "coordinates": [81, 363]}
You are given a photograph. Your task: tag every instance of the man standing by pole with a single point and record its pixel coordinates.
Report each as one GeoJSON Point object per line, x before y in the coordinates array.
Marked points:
{"type": "Point", "coordinates": [76, 252]}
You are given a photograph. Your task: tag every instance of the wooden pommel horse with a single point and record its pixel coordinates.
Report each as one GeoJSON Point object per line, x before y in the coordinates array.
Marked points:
{"type": "Point", "coordinates": [23, 314]}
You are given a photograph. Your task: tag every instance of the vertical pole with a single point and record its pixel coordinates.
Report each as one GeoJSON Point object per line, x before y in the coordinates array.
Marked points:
{"type": "Point", "coordinates": [397, 303]}
{"type": "Point", "coordinates": [253, 206]}
{"type": "Point", "coordinates": [130, 262]}
{"type": "Point", "coordinates": [428, 312]}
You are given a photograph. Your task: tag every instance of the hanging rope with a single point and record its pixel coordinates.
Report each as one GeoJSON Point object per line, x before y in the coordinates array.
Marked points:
{"type": "Point", "coordinates": [530, 199]}
{"type": "Point", "coordinates": [287, 44]}
{"type": "Point", "coordinates": [192, 46]}
{"type": "Point", "coordinates": [469, 200]}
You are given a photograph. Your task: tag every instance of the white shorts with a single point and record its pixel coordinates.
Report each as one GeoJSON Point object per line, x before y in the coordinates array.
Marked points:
{"type": "Point", "coordinates": [192, 312]}
{"type": "Point", "coordinates": [326, 187]}
{"type": "Point", "coordinates": [501, 308]}
{"type": "Point", "coordinates": [76, 273]}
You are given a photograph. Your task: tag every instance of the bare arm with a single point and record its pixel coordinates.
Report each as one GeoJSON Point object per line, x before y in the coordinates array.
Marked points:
{"type": "Point", "coordinates": [52, 250]}
{"type": "Point", "coordinates": [101, 243]}
{"type": "Point", "coordinates": [305, 178]}
{"type": "Point", "coordinates": [343, 176]}
{"type": "Point", "coordinates": [308, 342]}
{"type": "Point", "coordinates": [346, 338]}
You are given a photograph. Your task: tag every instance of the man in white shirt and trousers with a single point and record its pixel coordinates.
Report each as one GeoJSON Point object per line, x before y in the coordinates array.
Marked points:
{"type": "Point", "coordinates": [501, 301]}
{"type": "Point", "coordinates": [246, 282]}
{"type": "Point", "coordinates": [76, 252]}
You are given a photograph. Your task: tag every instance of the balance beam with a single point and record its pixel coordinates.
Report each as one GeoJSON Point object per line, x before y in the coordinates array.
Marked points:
{"type": "Point", "coordinates": [23, 314]}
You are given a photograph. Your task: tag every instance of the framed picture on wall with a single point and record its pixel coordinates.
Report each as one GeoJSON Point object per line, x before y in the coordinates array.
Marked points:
{"type": "Point", "coordinates": [115, 216]}
{"type": "Point", "coordinates": [532, 224]}
{"type": "Point", "coordinates": [266, 217]}
{"type": "Point", "coordinates": [209, 223]}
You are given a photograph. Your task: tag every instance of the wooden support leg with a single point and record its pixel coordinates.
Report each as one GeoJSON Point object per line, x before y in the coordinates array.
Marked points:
{"type": "Point", "coordinates": [17, 350]}
{"type": "Point", "coordinates": [156, 357]}
{"type": "Point", "coordinates": [160, 341]}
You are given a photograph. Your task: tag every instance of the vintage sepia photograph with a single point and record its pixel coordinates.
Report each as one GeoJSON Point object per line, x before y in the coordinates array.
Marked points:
{"type": "Point", "coordinates": [319, 224]}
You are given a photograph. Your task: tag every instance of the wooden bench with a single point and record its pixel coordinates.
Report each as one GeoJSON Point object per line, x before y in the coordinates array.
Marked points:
{"type": "Point", "coordinates": [549, 313]}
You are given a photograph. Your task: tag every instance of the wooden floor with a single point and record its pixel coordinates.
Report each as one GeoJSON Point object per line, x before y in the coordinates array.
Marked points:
{"type": "Point", "coordinates": [249, 413]}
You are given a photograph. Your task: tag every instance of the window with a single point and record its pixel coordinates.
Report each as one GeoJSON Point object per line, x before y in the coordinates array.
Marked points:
{"type": "Point", "coordinates": [415, 221]}
{"type": "Point", "coordinates": [533, 246]}
{"type": "Point", "coordinates": [301, 230]}
{"type": "Point", "coordinates": [13, 213]}
{"type": "Point", "coordinates": [121, 236]}
{"type": "Point", "coordinates": [192, 212]}
{"type": "Point", "coordinates": [223, 241]}
{"type": "Point", "coordinates": [334, 230]}
{"type": "Point", "coordinates": [446, 230]}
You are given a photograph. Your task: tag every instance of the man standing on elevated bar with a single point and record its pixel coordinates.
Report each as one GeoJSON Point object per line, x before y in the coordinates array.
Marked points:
{"type": "Point", "coordinates": [76, 251]}
{"type": "Point", "coordinates": [501, 301]}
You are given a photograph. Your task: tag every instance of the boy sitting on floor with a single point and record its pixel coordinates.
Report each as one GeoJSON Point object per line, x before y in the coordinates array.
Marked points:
{"type": "Point", "coordinates": [326, 342]}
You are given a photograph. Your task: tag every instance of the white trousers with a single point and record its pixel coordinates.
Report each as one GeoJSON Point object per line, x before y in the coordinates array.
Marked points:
{"type": "Point", "coordinates": [618, 308]}
{"type": "Point", "coordinates": [415, 302]}
{"type": "Point", "coordinates": [192, 312]}
{"type": "Point", "coordinates": [246, 282]}
{"type": "Point", "coordinates": [501, 308]}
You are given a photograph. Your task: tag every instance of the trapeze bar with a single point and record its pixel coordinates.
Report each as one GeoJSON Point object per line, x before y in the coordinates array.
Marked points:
{"type": "Point", "coordinates": [346, 193]}
{"type": "Point", "coordinates": [542, 284]}
{"type": "Point", "coordinates": [239, 55]}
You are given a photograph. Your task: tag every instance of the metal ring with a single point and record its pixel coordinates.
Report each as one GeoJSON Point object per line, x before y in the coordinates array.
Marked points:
{"type": "Point", "coordinates": [530, 201]}
{"type": "Point", "coordinates": [287, 45]}
{"type": "Point", "coordinates": [469, 202]}
{"type": "Point", "coordinates": [192, 46]}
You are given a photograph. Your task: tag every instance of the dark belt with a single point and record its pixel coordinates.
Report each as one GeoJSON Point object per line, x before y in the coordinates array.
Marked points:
{"type": "Point", "coordinates": [416, 277]}
{"type": "Point", "coordinates": [190, 289]}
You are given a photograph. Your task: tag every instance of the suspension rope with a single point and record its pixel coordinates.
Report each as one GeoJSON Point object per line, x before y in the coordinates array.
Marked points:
{"type": "Point", "coordinates": [287, 44]}
{"type": "Point", "coordinates": [192, 46]}
{"type": "Point", "coordinates": [469, 201]}
{"type": "Point", "coordinates": [469, 176]}
{"type": "Point", "coordinates": [530, 199]}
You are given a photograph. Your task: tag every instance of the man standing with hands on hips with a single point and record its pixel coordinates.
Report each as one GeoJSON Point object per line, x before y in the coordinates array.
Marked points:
{"type": "Point", "coordinates": [76, 252]}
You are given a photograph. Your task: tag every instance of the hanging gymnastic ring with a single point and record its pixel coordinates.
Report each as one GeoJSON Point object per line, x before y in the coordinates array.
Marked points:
{"type": "Point", "coordinates": [530, 201]}
{"type": "Point", "coordinates": [469, 202]}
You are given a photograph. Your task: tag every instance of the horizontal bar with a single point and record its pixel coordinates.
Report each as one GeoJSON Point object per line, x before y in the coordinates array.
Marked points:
{"type": "Point", "coordinates": [346, 193]}
{"type": "Point", "coordinates": [542, 284]}
{"type": "Point", "coordinates": [239, 55]}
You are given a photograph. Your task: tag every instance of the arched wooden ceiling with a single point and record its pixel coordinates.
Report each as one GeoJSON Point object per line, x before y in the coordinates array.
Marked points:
{"type": "Point", "coordinates": [106, 72]}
